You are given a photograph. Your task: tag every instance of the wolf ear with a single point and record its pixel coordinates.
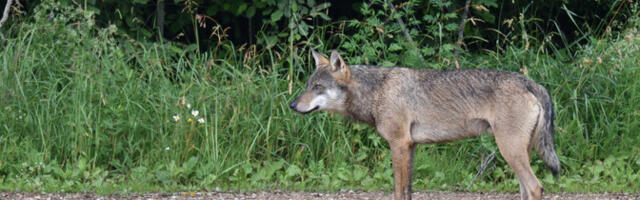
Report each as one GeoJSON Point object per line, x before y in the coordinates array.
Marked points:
{"type": "Point", "coordinates": [321, 59]}
{"type": "Point", "coordinates": [339, 69]}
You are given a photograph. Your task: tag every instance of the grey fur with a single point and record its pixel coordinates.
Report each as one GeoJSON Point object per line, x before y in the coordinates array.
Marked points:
{"type": "Point", "coordinates": [409, 106]}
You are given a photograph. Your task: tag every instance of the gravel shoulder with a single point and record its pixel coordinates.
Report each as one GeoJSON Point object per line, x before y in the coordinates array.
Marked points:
{"type": "Point", "coordinates": [311, 195]}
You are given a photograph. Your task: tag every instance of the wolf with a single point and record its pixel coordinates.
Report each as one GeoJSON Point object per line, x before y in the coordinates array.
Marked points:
{"type": "Point", "coordinates": [416, 106]}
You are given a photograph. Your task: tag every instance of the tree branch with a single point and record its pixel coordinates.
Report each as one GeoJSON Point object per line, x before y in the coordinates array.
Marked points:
{"type": "Point", "coordinates": [614, 16]}
{"type": "Point", "coordinates": [483, 167]}
{"type": "Point", "coordinates": [404, 29]}
{"type": "Point", "coordinates": [463, 22]}
{"type": "Point", "coordinates": [5, 14]}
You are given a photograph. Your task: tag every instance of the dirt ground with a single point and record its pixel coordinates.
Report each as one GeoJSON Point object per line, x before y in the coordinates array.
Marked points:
{"type": "Point", "coordinates": [309, 195]}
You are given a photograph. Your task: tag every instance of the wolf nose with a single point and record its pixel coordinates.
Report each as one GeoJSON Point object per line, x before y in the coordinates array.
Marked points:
{"type": "Point", "coordinates": [292, 105]}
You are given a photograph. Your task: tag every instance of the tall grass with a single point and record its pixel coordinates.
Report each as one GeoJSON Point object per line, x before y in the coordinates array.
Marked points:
{"type": "Point", "coordinates": [90, 109]}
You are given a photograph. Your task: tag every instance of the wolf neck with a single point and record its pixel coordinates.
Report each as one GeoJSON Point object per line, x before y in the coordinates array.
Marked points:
{"type": "Point", "coordinates": [362, 90]}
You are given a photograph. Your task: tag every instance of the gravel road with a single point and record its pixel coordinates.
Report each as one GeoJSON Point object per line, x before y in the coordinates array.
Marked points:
{"type": "Point", "coordinates": [310, 195]}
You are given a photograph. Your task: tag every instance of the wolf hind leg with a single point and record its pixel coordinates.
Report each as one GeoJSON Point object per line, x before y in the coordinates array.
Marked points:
{"type": "Point", "coordinates": [513, 145]}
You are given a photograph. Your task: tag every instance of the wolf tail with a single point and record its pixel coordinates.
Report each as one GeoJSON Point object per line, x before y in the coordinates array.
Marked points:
{"type": "Point", "coordinates": [544, 129]}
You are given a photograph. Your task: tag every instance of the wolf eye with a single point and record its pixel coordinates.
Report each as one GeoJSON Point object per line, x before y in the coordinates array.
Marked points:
{"type": "Point", "coordinates": [317, 87]}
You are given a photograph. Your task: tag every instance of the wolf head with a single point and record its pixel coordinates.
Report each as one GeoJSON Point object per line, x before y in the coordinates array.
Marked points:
{"type": "Point", "coordinates": [326, 88]}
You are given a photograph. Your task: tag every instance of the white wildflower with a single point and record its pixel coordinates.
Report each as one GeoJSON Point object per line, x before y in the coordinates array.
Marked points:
{"type": "Point", "coordinates": [188, 106]}
{"type": "Point", "coordinates": [167, 148]}
{"type": "Point", "coordinates": [201, 120]}
{"type": "Point", "coordinates": [195, 113]}
{"type": "Point", "coordinates": [176, 117]}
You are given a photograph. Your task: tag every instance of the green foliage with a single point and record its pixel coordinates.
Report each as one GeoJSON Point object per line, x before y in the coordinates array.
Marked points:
{"type": "Point", "coordinates": [379, 38]}
{"type": "Point", "coordinates": [92, 109]}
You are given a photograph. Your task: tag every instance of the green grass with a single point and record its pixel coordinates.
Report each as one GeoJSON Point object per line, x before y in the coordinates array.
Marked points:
{"type": "Point", "coordinates": [88, 109]}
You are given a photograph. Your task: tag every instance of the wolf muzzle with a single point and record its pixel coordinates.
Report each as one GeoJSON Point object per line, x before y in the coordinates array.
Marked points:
{"type": "Point", "coordinates": [294, 104]}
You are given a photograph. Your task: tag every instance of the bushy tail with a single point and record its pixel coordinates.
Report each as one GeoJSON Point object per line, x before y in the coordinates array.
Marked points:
{"type": "Point", "coordinates": [544, 130]}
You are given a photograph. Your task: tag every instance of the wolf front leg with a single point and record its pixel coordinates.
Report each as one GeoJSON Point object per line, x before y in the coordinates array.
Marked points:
{"type": "Point", "coordinates": [402, 157]}
{"type": "Point", "coordinates": [396, 131]}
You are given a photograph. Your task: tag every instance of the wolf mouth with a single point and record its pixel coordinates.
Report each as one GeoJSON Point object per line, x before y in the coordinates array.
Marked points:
{"type": "Point", "coordinates": [308, 111]}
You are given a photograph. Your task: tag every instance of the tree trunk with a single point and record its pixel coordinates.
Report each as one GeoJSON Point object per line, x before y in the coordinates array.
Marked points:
{"type": "Point", "coordinates": [160, 17]}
